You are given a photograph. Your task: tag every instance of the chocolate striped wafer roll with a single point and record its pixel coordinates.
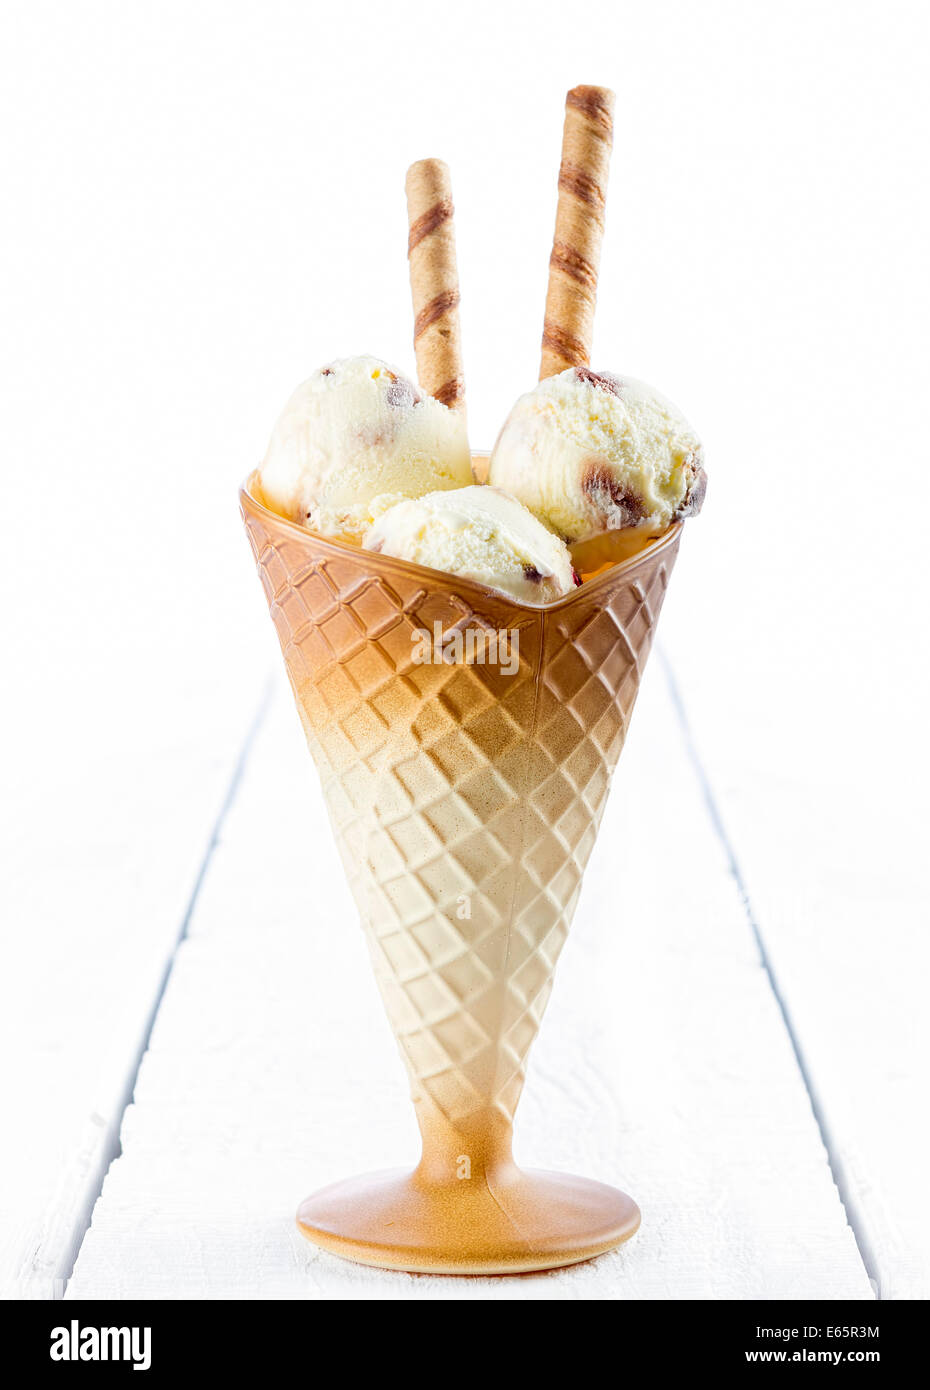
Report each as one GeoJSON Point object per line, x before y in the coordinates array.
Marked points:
{"type": "Point", "coordinates": [434, 281]}
{"type": "Point", "coordinates": [579, 229]}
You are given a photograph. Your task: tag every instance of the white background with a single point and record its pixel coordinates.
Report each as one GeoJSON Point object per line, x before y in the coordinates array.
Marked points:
{"type": "Point", "coordinates": [203, 202]}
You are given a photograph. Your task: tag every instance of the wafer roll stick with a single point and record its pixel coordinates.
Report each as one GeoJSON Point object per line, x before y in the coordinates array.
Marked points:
{"type": "Point", "coordinates": [579, 229]}
{"type": "Point", "coordinates": [434, 281]}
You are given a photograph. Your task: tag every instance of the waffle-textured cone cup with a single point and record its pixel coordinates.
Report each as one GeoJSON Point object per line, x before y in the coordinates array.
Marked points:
{"type": "Point", "coordinates": [465, 774]}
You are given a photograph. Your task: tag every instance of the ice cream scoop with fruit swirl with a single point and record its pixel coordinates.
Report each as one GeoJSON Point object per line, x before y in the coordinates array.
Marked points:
{"type": "Point", "coordinates": [592, 454]}
{"type": "Point", "coordinates": [480, 534]}
{"type": "Point", "coordinates": [356, 431]}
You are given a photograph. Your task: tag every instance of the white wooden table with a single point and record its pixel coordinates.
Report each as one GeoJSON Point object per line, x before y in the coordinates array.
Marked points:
{"type": "Point", "coordinates": [211, 1046]}
{"type": "Point", "coordinates": [249, 1064]}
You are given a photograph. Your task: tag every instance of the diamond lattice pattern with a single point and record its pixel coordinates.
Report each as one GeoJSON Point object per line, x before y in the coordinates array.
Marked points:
{"type": "Point", "coordinates": [465, 801]}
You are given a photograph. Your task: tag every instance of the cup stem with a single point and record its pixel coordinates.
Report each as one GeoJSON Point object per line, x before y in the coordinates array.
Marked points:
{"type": "Point", "coordinates": [479, 1148]}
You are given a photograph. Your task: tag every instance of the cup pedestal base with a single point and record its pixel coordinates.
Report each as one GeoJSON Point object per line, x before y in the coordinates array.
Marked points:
{"type": "Point", "coordinates": [506, 1222]}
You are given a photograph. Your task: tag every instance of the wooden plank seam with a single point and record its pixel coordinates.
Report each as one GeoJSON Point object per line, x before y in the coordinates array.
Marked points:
{"type": "Point", "coordinates": [854, 1215]}
{"type": "Point", "coordinates": [110, 1147]}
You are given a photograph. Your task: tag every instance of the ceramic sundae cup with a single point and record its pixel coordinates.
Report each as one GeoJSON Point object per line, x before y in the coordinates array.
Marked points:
{"type": "Point", "coordinates": [465, 744]}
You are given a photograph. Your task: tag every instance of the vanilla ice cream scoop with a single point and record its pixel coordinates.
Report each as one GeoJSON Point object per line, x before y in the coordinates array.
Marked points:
{"type": "Point", "coordinates": [589, 453]}
{"type": "Point", "coordinates": [353, 432]}
{"type": "Point", "coordinates": [482, 534]}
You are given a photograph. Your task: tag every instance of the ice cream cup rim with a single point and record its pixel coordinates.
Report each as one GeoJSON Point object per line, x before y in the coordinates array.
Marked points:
{"type": "Point", "coordinates": [342, 549]}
